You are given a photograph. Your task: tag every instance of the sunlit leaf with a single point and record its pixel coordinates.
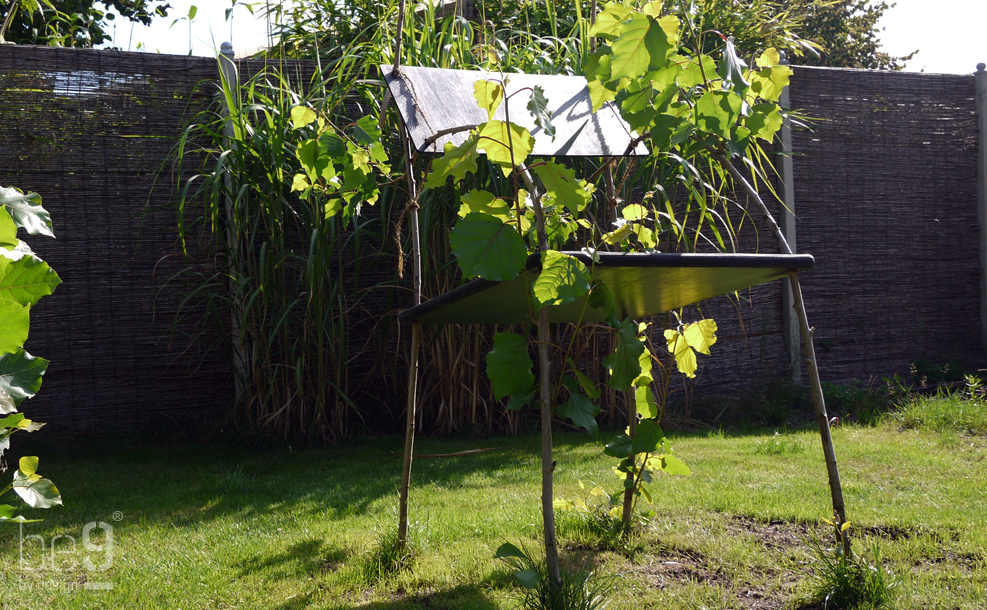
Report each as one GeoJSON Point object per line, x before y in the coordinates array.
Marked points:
{"type": "Point", "coordinates": [8, 230]}
{"type": "Point", "coordinates": [35, 491]}
{"type": "Point", "coordinates": [645, 377]}
{"type": "Point", "coordinates": [20, 374]}
{"type": "Point", "coordinates": [701, 335]}
{"type": "Point", "coordinates": [770, 57]}
{"type": "Point", "coordinates": [366, 131]}
{"type": "Point", "coordinates": [538, 107]}
{"type": "Point", "coordinates": [608, 21]}
{"type": "Point", "coordinates": [26, 211]}
{"type": "Point", "coordinates": [685, 358]}
{"type": "Point", "coordinates": [456, 161]}
{"type": "Point", "coordinates": [764, 121]}
{"type": "Point", "coordinates": [488, 95]}
{"type": "Point", "coordinates": [582, 411]}
{"type": "Point", "coordinates": [561, 182]}
{"type": "Point", "coordinates": [302, 116]}
{"type": "Point", "coordinates": [674, 466]}
{"type": "Point", "coordinates": [509, 365]}
{"type": "Point", "coordinates": [647, 437]}
{"type": "Point", "coordinates": [486, 203]}
{"type": "Point", "coordinates": [28, 465]}
{"type": "Point", "coordinates": [505, 144]}
{"type": "Point", "coordinates": [26, 280]}
{"type": "Point", "coordinates": [15, 322]}
{"type": "Point", "coordinates": [644, 400]}
{"type": "Point", "coordinates": [717, 111]}
{"type": "Point", "coordinates": [486, 247]}
{"type": "Point", "coordinates": [769, 82]}
{"type": "Point", "coordinates": [562, 279]}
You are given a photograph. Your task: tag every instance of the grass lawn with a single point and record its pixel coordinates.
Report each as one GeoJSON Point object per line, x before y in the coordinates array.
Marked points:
{"type": "Point", "coordinates": [218, 528]}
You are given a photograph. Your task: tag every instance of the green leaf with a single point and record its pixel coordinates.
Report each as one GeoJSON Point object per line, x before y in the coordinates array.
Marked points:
{"type": "Point", "coordinates": [631, 52]}
{"type": "Point", "coordinates": [582, 411]}
{"type": "Point", "coordinates": [509, 365]}
{"type": "Point", "coordinates": [366, 131]}
{"type": "Point", "coordinates": [456, 161]}
{"type": "Point", "coordinates": [647, 437]}
{"type": "Point", "coordinates": [769, 82]}
{"type": "Point", "coordinates": [35, 491]}
{"type": "Point", "coordinates": [599, 94]}
{"type": "Point", "coordinates": [770, 57]}
{"type": "Point", "coordinates": [517, 401]}
{"type": "Point", "coordinates": [644, 400]}
{"type": "Point", "coordinates": [561, 183]}
{"type": "Point", "coordinates": [14, 324]}
{"type": "Point", "coordinates": [8, 230]}
{"type": "Point", "coordinates": [302, 116]}
{"type": "Point", "coordinates": [12, 421]}
{"type": "Point", "coordinates": [600, 297]}
{"type": "Point", "coordinates": [562, 279]}
{"type": "Point", "coordinates": [538, 107]}
{"type": "Point", "coordinates": [619, 447]}
{"type": "Point", "coordinates": [509, 550]}
{"type": "Point", "coordinates": [732, 68]}
{"type": "Point", "coordinates": [7, 515]}
{"type": "Point", "coordinates": [717, 111]}
{"type": "Point", "coordinates": [488, 95]}
{"type": "Point", "coordinates": [624, 364]}
{"type": "Point", "coordinates": [585, 383]}
{"type": "Point", "coordinates": [685, 358]}
{"type": "Point", "coordinates": [694, 69]}
{"type": "Point", "coordinates": [26, 211]}
{"type": "Point", "coordinates": [26, 280]}
{"type": "Point", "coordinates": [20, 375]}
{"type": "Point", "coordinates": [528, 578]}
{"type": "Point", "coordinates": [487, 247]}
{"type": "Point", "coordinates": [506, 144]}
{"type": "Point", "coordinates": [28, 465]}
{"type": "Point", "coordinates": [701, 335]}
{"type": "Point", "coordinates": [764, 121]}
{"type": "Point", "coordinates": [485, 203]}
{"type": "Point", "coordinates": [608, 22]}
{"type": "Point", "coordinates": [674, 466]}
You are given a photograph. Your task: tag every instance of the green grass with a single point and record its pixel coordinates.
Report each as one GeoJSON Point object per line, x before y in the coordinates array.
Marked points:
{"type": "Point", "coordinates": [219, 528]}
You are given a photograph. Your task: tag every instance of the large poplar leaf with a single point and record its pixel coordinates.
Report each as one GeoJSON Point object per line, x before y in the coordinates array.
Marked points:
{"type": "Point", "coordinates": [538, 107]}
{"type": "Point", "coordinates": [584, 382]}
{"type": "Point", "coordinates": [609, 20]}
{"type": "Point", "coordinates": [20, 375]}
{"type": "Point", "coordinates": [732, 68]}
{"type": "Point", "coordinates": [7, 405]}
{"type": "Point", "coordinates": [644, 400]}
{"type": "Point", "coordinates": [624, 364]}
{"type": "Point", "coordinates": [14, 325]}
{"type": "Point", "coordinates": [701, 335]}
{"type": "Point", "coordinates": [619, 447]}
{"type": "Point", "coordinates": [599, 94]}
{"type": "Point", "coordinates": [769, 82]}
{"type": "Point", "coordinates": [631, 52]}
{"type": "Point", "coordinates": [562, 279]}
{"type": "Point", "coordinates": [487, 247]}
{"type": "Point", "coordinates": [647, 437]}
{"type": "Point", "coordinates": [506, 144]}
{"type": "Point", "coordinates": [561, 183]}
{"type": "Point", "coordinates": [674, 466]}
{"type": "Point", "coordinates": [517, 401]}
{"type": "Point", "coordinates": [488, 95]}
{"type": "Point", "coordinates": [302, 116]}
{"type": "Point", "coordinates": [36, 491]}
{"type": "Point", "coordinates": [456, 161]}
{"type": "Point", "coordinates": [7, 515]}
{"type": "Point", "coordinates": [8, 230]}
{"type": "Point", "coordinates": [764, 121]}
{"type": "Point", "coordinates": [486, 203]}
{"type": "Point", "coordinates": [716, 112]}
{"type": "Point", "coordinates": [509, 365]}
{"type": "Point", "coordinates": [685, 358]}
{"type": "Point", "coordinates": [26, 211]}
{"type": "Point", "coordinates": [582, 411]}
{"type": "Point", "coordinates": [26, 280]}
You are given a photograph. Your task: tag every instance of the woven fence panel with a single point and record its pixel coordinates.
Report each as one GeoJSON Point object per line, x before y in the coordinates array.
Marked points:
{"type": "Point", "coordinates": [89, 131]}
{"type": "Point", "coordinates": [886, 199]}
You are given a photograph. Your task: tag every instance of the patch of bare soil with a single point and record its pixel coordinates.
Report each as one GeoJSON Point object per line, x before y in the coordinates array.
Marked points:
{"type": "Point", "coordinates": [772, 534]}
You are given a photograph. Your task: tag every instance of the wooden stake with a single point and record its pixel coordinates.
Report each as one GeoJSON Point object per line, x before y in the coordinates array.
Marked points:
{"type": "Point", "coordinates": [835, 488]}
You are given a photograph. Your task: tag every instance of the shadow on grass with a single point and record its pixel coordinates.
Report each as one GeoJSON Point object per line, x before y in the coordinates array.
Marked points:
{"type": "Point", "coordinates": [460, 597]}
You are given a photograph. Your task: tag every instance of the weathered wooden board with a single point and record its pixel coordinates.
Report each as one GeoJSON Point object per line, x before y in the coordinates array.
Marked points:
{"type": "Point", "coordinates": [432, 99]}
{"type": "Point", "coordinates": [642, 285]}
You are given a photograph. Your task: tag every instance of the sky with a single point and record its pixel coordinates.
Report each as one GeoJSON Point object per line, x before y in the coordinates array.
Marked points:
{"type": "Point", "coordinates": [950, 35]}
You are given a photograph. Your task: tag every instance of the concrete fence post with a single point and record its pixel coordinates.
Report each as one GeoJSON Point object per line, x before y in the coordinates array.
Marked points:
{"type": "Point", "coordinates": [786, 217]}
{"type": "Point", "coordinates": [980, 80]}
{"type": "Point", "coordinates": [230, 78]}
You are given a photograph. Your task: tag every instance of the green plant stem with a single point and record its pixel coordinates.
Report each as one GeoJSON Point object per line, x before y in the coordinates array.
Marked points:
{"type": "Point", "coordinates": [631, 400]}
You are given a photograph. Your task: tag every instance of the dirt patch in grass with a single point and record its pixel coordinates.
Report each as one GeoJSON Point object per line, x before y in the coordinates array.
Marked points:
{"type": "Point", "coordinates": [772, 534]}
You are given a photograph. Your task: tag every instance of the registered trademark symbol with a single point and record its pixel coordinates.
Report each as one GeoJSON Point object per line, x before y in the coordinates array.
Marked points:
{"type": "Point", "coordinates": [117, 516]}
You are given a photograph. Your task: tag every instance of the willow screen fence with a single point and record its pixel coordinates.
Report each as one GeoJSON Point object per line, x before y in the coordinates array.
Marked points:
{"type": "Point", "coordinates": [885, 196]}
